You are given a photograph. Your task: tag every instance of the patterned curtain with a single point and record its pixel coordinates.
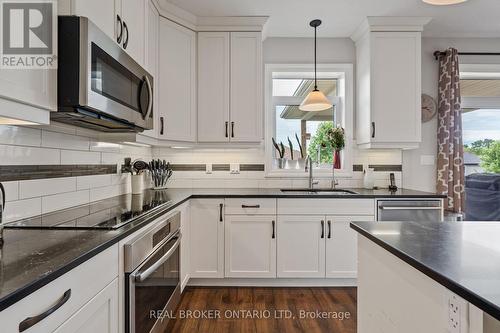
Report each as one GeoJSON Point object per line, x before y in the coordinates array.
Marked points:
{"type": "Point", "coordinates": [450, 156]}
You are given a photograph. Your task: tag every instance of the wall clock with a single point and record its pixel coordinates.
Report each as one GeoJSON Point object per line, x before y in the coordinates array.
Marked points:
{"type": "Point", "coordinates": [429, 108]}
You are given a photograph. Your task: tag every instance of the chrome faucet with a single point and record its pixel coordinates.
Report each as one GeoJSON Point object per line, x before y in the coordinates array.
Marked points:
{"type": "Point", "coordinates": [309, 167]}
{"type": "Point", "coordinates": [335, 182]}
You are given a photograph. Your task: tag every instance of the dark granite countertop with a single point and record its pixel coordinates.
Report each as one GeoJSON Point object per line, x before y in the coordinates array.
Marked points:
{"type": "Point", "coordinates": [31, 258]}
{"type": "Point", "coordinates": [464, 257]}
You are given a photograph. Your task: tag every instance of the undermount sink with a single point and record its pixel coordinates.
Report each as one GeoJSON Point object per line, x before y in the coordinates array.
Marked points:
{"type": "Point", "coordinates": [318, 191]}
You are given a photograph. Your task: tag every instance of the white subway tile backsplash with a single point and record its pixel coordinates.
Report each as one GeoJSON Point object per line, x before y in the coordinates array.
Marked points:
{"type": "Point", "coordinates": [80, 157]}
{"type": "Point", "coordinates": [22, 136]}
{"type": "Point", "coordinates": [18, 155]}
{"type": "Point", "coordinates": [64, 200]}
{"type": "Point", "coordinates": [64, 141]}
{"type": "Point", "coordinates": [87, 182]}
{"type": "Point", "coordinates": [11, 190]}
{"type": "Point", "coordinates": [20, 209]}
{"type": "Point", "coordinates": [42, 187]}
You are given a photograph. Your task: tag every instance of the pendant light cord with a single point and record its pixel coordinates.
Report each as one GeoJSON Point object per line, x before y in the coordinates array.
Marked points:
{"type": "Point", "coordinates": [315, 78]}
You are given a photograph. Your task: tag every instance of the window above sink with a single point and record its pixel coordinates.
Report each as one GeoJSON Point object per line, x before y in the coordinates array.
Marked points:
{"type": "Point", "coordinates": [286, 87]}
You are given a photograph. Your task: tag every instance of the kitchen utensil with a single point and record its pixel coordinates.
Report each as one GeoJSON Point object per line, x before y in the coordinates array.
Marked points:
{"type": "Point", "coordinates": [160, 173]}
{"type": "Point", "coordinates": [139, 166]}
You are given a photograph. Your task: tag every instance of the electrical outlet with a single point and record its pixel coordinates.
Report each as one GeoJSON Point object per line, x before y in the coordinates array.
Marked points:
{"type": "Point", "coordinates": [234, 168]}
{"type": "Point", "coordinates": [454, 313]}
{"type": "Point", "coordinates": [208, 168]}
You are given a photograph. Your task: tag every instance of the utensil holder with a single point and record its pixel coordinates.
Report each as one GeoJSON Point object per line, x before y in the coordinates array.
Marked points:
{"type": "Point", "coordinates": [137, 184]}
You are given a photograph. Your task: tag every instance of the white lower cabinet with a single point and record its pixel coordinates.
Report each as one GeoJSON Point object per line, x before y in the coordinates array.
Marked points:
{"type": "Point", "coordinates": [184, 209]}
{"type": "Point", "coordinates": [100, 314]}
{"type": "Point", "coordinates": [207, 238]}
{"type": "Point", "coordinates": [250, 246]}
{"type": "Point", "coordinates": [301, 246]}
{"type": "Point", "coordinates": [341, 246]}
{"type": "Point", "coordinates": [69, 302]}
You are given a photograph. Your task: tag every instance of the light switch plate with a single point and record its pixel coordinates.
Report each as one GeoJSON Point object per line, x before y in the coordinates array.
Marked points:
{"type": "Point", "coordinates": [208, 168]}
{"type": "Point", "coordinates": [234, 168]}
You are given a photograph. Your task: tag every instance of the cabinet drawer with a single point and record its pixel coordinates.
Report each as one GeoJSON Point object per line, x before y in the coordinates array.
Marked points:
{"type": "Point", "coordinates": [84, 282]}
{"type": "Point", "coordinates": [346, 206]}
{"type": "Point", "coordinates": [250, 206]}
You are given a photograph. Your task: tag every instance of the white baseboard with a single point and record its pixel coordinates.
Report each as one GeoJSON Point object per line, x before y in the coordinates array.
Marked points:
{"type": "Point", "coordinates": [272, 282]}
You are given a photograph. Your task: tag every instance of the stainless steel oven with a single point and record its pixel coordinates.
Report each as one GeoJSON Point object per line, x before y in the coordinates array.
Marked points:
{"type": "Point", "coordinates": [152, 276]}
{"type": "Point", "coordinates": [99, 85]}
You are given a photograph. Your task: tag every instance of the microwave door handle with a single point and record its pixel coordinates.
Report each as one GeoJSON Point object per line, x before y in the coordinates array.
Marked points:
{"type": "Point", "coordinates": [150, 94]}
{"type": "Point", "coordinates": [141, 276]}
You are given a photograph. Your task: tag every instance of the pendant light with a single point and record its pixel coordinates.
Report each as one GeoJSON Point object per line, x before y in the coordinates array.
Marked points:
{"type": "Point", "coordinates": [315, 100]}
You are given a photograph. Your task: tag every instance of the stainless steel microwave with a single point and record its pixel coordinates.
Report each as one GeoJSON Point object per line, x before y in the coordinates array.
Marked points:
{"type": "Point", "coordinates": [99, 85]}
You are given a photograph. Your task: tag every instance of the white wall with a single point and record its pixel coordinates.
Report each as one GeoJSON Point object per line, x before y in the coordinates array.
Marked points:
{"type": "Point", "coordinates": [423, 177]}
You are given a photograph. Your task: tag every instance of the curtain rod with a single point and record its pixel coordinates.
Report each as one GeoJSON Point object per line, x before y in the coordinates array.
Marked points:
{"type": "Point", "coordinates": [438, 54]}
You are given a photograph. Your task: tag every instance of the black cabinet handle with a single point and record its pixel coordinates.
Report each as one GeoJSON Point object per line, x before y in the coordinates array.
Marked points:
{"type": "Point", "coordinates": [227, 125]}
{"type": "Point", "coordinates": [232, 129]}
{"type": "Point", "coordinates": [162, 122]}
{"type": "Point", "coordinates": [30, 321]}
{"type": "Point", "coordinates": [250, 206]}
{"type": "Point", "coordinates": [329, 228]}
{"type": "Point", "coordinates": [120, 24]}
{"type": "Point", "coordinates": [322, 229]}
{"type": "Point", "coordinates": [273, 236]}
{"type": "Point", "coordinates": [125, 42]}
{"type": "Point", "coordinates": [373, 129]}
{"type": "Point", "coordinates": [220, 212]}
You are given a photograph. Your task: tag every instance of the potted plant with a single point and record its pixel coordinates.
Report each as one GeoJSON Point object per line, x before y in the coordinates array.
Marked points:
{"type": "Point", "coordinates": [336, 138]}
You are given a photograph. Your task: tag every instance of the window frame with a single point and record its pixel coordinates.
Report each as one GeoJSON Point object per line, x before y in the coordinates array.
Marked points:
{"type": "Point", "coordinates": [344, 103]}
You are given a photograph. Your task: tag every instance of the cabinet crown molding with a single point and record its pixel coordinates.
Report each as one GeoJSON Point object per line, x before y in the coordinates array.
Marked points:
{"type": "Point", "coordinates": [231, 23]}
{"type": "Point", "coordinates": [390, 23]}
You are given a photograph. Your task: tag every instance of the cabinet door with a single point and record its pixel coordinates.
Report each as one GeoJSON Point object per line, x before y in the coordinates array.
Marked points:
{"type": "Point", "coordinates": [395, 88]}
{"type": "Point", "coordinates": [301, 246]}
{"type": "Point", "coordinates": [185, 253]}
{"type": "Point", "coordinates": [246, 87]}
{"type": "Point", "coordinates": [100, 314]}
{"type": "Point", "coordinates": [133, 15]}
{"type": "Point", "coordinates": [177, 82]}
{"type": "Point", "coordinates": [250, 246]}
{"type": "Point", "coordinates": [342, 246]}
{"type": "Point", "coordinates": [207, 238]}
{"type": "Point", "coordinates": [101, 13]}
{"type": "Point", "coordinates": [153, 18]}
{"type": "Point", "coordinates": [213, 86]}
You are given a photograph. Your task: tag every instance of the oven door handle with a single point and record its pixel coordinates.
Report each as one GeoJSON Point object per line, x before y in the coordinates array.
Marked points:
{"type": "Point", "coordinates": [141, 276]}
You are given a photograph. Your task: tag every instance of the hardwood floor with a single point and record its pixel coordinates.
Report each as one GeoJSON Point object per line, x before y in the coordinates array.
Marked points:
{"type": "Point", "coordinates": [266, 310]}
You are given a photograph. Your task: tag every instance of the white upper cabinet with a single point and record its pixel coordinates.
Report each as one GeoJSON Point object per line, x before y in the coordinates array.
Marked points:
{"type": "Point", "coordinates": [122, 20]}
{"type": "Point", "coordinates": [230, 87]}
{"type": "Point", "coordinates": [213, 86]}
{"type": "Point", "coordinates": [246, 86]}
{"type": "Point", "coordinates": [104, 14]}
{"type": "Point", "coordinates": [133, 14]}
{"type": "Point", "coordinates": [151, 62]}
{"type": "Point", "coordinates": [388, 56]}
{"type": "Point", "coordinates": [177, 82]}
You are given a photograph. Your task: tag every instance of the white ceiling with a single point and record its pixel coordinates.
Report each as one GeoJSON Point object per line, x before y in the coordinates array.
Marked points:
{"type": "Point", "coordinates": [290, 18]}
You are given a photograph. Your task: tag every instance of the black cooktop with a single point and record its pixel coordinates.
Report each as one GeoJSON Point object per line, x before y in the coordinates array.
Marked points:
{"type": "Point", "coordinates": [106, 214]}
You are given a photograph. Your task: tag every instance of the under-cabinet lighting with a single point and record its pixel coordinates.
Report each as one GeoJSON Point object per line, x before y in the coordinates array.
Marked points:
{"type": "Point", "coordinates": [136, 144]}
{"type": "Point", "coordinates": [12, 121]}
{"type": "Point", "coordinates": [443, 2]}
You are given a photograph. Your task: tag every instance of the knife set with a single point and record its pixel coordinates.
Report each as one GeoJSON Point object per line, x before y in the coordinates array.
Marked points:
{"type": "Point", "coordinates": [160, 173]}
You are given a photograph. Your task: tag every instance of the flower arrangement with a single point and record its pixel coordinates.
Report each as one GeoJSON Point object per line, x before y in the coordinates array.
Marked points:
{"type": "Point", "coordinates": [336, 138]}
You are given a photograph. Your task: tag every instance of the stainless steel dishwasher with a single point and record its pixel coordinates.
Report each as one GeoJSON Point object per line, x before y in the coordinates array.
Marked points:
{"type": "Point", "coordinates": [409, 210]}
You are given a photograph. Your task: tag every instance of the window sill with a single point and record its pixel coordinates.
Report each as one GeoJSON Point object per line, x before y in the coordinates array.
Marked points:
{"type": "Point", "coordinates": [280, 173]}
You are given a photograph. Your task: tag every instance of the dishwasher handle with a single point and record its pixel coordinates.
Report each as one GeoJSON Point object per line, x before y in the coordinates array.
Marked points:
{"type": "Point", "coordinates": [409, 208]}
